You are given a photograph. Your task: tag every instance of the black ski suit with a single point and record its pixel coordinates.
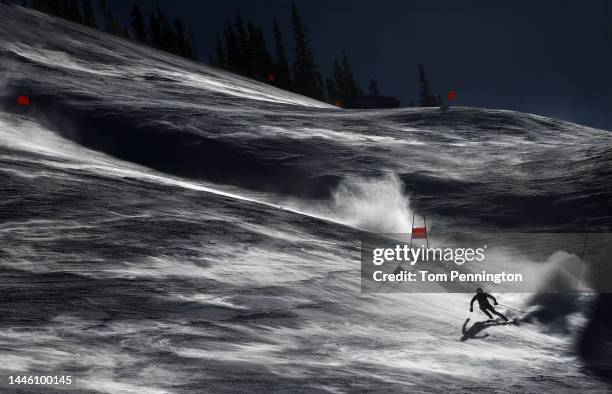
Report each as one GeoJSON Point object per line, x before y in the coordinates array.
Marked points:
{"type": "Point", "coordinates": [485, 306]}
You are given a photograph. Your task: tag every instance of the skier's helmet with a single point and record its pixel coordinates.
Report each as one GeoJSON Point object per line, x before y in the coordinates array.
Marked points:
{"type": "Point", "coordinates": [479, 290]}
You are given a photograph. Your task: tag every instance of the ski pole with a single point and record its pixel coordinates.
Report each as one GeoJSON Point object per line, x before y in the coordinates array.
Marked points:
{"type": "Point", "coordinates": [506, 306]}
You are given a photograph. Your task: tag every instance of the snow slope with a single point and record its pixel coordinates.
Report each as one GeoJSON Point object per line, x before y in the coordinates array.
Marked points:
{"type": "Point", "coordinates": [169, 227]}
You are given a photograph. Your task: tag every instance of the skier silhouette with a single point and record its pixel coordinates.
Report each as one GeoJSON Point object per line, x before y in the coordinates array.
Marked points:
{"type": "Point", "coordinates": [484, 304]}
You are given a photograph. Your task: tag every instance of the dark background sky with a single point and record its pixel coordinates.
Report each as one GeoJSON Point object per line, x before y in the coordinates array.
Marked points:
{"type": "Point", "coordinates": [548, 57]}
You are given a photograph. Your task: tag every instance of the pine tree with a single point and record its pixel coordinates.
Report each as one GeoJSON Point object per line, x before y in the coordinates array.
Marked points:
{"type": "Point", "coordinates": [169, 41]}
{"type": "Point", "coordinates": [254, 66]}
{"type": "Point", "coordinates": [89, 16]}
{"type": "Point", "coordinates": [71, 11]}
{"type": "Point", "coordinates": [307, 80]}
{"type": "Point", "coordinates": [110, 25]}
{"type": "Point", "coordinates": [427, 99]}
{"type": "Point", "coordinates": [244, 58]}
{"type": "Point", "coordinates": [231, 43]}
{"type": "Point", "coordinates": [193, 45]}
{"type": "Point", "coordinates": [114, 27]}
{"type": "Point", "coordinates": [103, 11]}
{"type": "Point", "coordinates": [281, 64]}
{"type": "Point", "coordinates": [219, 56]}
{"type": "Point", "coordinates": [266, 58]}
{"type": "Point", "coordinates": [338, 79]}
{"type": "Point", "coordinates": [373, 88]}
{"type": "Point", "coordinates": [261, 60]}
{"type": "Point", "coordinates": [319, 81]}
{"type": "Point", "coordinates": [138, 25]}
{"type": "Point", "coordinates": [182, 42]}
{"type": "Point", "coordinates": [110, 22]}
{"type": "Point", "coordinates": [155, 29]}
{"type": "Point", "coordinates": [344, 79]}
{"type": "Point", "coordinates": [351, 87]}
{"type": "Point", "coordinates": [332, 92]}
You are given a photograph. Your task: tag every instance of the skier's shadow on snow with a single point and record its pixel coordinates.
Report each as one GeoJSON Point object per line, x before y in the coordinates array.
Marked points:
{"type": "Point", "coordinates": [476, 328]}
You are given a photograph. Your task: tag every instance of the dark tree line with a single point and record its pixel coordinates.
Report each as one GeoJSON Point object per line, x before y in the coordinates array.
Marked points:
{"type": "Point", "coordinates": [160, 33]}
{"type": "Point", "coordinates": [241, 48]}
{"type": "Point", "coordinates": [243, 51]}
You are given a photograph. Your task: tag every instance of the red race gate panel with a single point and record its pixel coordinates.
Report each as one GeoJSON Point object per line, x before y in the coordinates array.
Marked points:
{"type": "Point", "coordinates": [419, 232]}
{"type": "Point", "coordinates": [24, 101]}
